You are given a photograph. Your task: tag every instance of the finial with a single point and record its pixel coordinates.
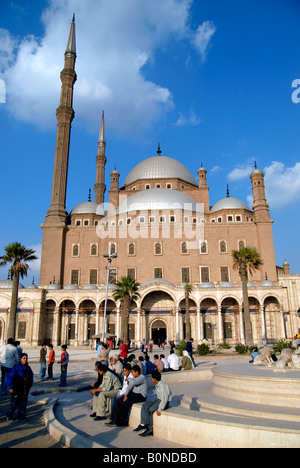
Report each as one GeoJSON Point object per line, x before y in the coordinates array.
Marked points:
{"type": "Point", "coordinates": [227, 192]}
{"type": "Point", "coordinates": [32, 280]}
{"type": "Point", "coordinates": [73, 20]}
{"type": "Point", "coordinates": [255, 165]}
{"type": "Point", "coordinates": [266, 276]}
{"type": "Point", "coordinates": [158, 149]}
{"type": "Point", "coordinates": [89, 199]}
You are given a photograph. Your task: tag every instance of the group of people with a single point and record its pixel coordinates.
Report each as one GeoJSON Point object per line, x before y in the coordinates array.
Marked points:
{"type": "Point", "coordinates": [47, 364]}
{"type": "Point", "coordinates": [17, 375]}
{"type": "Point", "coordinates": [124, 390]}
{"type": "Point", "coordinates": [121, 379]}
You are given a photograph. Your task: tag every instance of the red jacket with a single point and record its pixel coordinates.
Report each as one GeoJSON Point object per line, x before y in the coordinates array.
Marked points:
{"type": "Point", "coordinates": [123, 350]}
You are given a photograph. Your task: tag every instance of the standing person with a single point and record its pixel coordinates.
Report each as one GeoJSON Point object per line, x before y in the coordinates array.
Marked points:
{"type": "Point", "coordinates": [151, 345]}
{"type": "Point", "coordinates": [64, 360]}
{"type": "Point", "coordinates": [9, 357]}
{"type": "Point", "coordinates": [42, 361]}
{"type": "Point", "coordinates": [124, 350]}
{"type": "Point", "coordinates": [161, 403]}
{"type": "Point", "coordinates": [51, 361]}
{"type": "Point", "coordinates": [189, 349]}
{"type": "Point", "coordinates": [17, 344]}
{"type": "Point", "coordinates": [19, 381]}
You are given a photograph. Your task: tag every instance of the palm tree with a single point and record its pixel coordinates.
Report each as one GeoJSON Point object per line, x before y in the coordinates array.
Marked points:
{"type": "Point", "coordinates": [127, 291]}
{"type": "Point", "coordinates": [18, 255]}
{"type": "Point", "coordinates": [244, 260]}
{"type": "Point", "coordinates": [187, 291]}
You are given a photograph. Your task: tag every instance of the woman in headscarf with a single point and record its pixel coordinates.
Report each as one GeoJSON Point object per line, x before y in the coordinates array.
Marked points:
{"type": "Point", "coordinates": [186, 363]}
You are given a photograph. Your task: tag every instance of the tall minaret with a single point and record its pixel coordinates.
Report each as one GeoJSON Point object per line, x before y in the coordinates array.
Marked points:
{"type": "Point", "coordinates": [65, 114]}
{"type": "Point", "coordinates": [99, 186]}
{"type": "Point", "coordinates": [54, 226]}
{"type": "Point", "coordinates": [260, 205]}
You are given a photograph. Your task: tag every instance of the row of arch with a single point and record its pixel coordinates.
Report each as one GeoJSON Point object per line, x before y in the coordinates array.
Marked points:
{"type": "Point", "coordinates": [161, 300]}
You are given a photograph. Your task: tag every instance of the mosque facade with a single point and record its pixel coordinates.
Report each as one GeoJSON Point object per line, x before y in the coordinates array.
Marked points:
{"type": "Point", "coordinates": [159, 228]}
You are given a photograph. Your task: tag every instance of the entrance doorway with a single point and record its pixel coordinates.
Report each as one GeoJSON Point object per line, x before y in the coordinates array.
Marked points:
{"type": "Point", "coordinates": [158, 331]}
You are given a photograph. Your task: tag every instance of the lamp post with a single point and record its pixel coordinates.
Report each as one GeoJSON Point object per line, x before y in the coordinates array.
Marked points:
{"type": "Point", "coordinates": [109, 257]}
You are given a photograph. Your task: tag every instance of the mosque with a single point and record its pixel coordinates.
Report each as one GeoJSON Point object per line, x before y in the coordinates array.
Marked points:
{"type": "Point", "coordinates": [159, 228]}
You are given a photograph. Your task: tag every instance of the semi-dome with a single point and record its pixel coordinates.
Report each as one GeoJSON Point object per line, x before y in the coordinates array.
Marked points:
{"type": "Point", "coordinates": [8, 284]}
{"type": "Point", "coordinates": [88, 208]}
{"type": "Point", "coordinates": [227, 284]}
{"type": "Point", "coordinates": [157, 281]}
{"type": "Point", "coordinates": [90, 286]}
{"type": "Point", "coordinates": [158, 199]}
{"type": "Point", "coordinates": [267, 284]}
{"type": "Point", "coordinates": [229, 203]}
{"type": "Point", "coordinates": [53, 286]}
{"type": "Point", "coordinates": [71, 286]}
{"type": "Point", "coordinates": [206, 284]}
{"type": "Point", "coordinates": [160, 167]}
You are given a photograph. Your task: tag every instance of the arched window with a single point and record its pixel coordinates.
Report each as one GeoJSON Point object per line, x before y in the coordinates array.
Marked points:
{"type": "Point", "coordinates": [158, 248]}
{"type": "Point", "coordinates": [203, 248]}
{"type": "Point", "coordinates": [75, 251]}
{"type": "Point", "coordinates": [184, 248]}
{"type": "Point", "coordinates": [94, 249]}
{"type": "Point", "coordinates": [131, 249]}
{"type": "Point", "coordinates": [241, 245]}
{"type": "Point", "coordinates": [223, 247]}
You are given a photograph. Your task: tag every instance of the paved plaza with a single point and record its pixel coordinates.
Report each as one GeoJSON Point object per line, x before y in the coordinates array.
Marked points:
{"type": "Point", "coordinates": [67, 411]}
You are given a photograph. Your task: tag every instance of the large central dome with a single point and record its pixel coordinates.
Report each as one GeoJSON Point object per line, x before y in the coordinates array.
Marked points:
{"type": "Point", "coordinates": [160, 167]}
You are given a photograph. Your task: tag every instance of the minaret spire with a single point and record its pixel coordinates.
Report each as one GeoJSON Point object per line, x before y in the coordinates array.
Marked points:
{"type": "Point", "coordinates": [65, 114]}
{"type": "Point", "coordinates": [54, 226]}
{"type": "Point", "coordinates": [99, 186]}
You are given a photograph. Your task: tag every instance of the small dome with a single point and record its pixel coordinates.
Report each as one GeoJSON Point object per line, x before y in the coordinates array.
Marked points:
{"type": "Point", "coordinates": [160, 167]}
{"type": "Point", "coordinates": [158, 199]}
{"type": "Point", "coordinates": [267, 284]}
{"type": "Point", "coordinates": [88, 208]}
{"type": "Point", "coordinates": [71, 286]}
{"type": "Point", "coordinates": [250, 284]}
{"type": "Point", "coordinates": [157, 281]}
{"type": "Point", "coordinates": [53, 286]}
{"type": "Point", "coordinates": [110, 286]}
{"type": "Point", "coordinates": [256, 171]}
{"type": "Point", "coordinates": [227, 284]}
{"type": "Point", "coordinates": [207, 284]}
{"type": "Point", "coordinates": [229, 203]}
{"type": "Point", "coordinates": [32, 286]}
{"type": "Point", "coordinates": [8, 284]}
{"type": "Point", "coordinates": [90, 286]}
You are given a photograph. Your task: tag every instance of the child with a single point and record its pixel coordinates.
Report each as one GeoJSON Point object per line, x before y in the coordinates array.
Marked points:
{"type": "Point", "coordinates": [19, 381]}
{"type": "Point", "coordinates": [51, 361]}
{"type": "Point", "coordinates": [64, 359]}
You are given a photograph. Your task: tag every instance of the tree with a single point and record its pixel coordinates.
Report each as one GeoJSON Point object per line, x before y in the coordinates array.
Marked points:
{"type": "Point", "coordinates": [18, 255]}
{"type": "Point", "coordinates": [245, 260]}
{"type": "Point", "coordinates": [187, 291]}
{"type": "Point", "coordinates": [127, 291]}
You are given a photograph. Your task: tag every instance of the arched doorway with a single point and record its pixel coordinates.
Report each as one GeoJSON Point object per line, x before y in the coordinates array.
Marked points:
{"type": "Point", "coordinates": [158, 331]}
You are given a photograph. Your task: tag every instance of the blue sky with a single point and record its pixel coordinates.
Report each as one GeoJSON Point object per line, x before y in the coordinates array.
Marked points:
{"type": "Point", "coordinates": [211, 80]}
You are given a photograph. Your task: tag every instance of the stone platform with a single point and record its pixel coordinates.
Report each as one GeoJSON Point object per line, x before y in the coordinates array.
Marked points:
{"type": "Point", "coordinates": [236, 405]}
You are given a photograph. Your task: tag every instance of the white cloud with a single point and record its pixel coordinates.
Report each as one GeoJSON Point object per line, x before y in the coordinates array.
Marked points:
{"type": "Point", "coordinates": [192, 119]}
{"type": "Point", "coordinates": [114, 41]}
{"type": "Point", "coordinates": [240, 172]}
{"type": "Point", "coordinates": [202, 38]}
{"type": "Point", "coordinates": [282, 185]}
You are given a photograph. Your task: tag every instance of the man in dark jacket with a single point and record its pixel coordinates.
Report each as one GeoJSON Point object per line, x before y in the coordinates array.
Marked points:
{"type": "Point", "coordinates": [189, 348]}
{"type": "Point", "coordinates": [19, 381]}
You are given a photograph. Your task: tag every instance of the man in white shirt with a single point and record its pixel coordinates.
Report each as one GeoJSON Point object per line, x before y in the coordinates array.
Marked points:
{"type": "Point", "coordinates": [166, 364]}
{"type": "Point", "coordinates": [174, 361]}
{"type": "Point", "coordinates": [9, 357]}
